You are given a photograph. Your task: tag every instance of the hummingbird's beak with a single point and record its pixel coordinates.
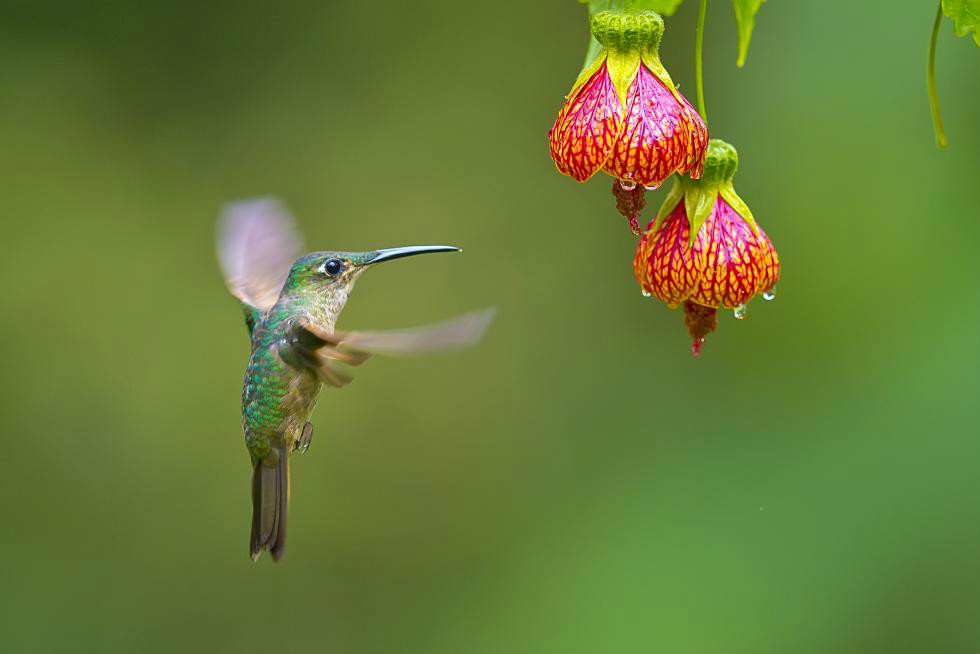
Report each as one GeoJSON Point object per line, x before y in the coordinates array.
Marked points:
{"type": "Point", "coordinates": [396, 253]}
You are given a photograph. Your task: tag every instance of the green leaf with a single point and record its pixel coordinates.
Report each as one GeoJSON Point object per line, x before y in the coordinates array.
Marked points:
{"type": "Point", "coordinates": [662, 7]}
{"type": "Point", "coordinates": [745, 18]}
{"type": "Point", "coordinates": [965, 15]}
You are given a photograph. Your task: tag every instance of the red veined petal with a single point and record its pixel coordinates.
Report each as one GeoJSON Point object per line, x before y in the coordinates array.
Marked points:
{"type": "Point", "coordinates": [587, 127]}
{"type": "Point", "coordinates": [699, 141]}
{"type": "Point", "coordinates": [770, 264]}
{"type": "Point", "coordinates": [661, 135]}
{"type": "Point", "coordinates": [734, 259]}
{"type": "Point", "coordinates": [665, 264]}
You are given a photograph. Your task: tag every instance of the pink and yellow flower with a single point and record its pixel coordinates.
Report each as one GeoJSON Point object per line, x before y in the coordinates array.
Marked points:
{"type": "Point", "coordinates": [624, 115]}
{"type": "Point", "coordinates": [705, 249]}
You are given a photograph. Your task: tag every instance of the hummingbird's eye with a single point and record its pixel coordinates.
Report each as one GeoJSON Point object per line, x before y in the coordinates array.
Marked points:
{"type": "Point", "coordinates": [332, 267]}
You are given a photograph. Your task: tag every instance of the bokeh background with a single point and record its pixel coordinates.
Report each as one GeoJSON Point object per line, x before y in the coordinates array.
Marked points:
{"type": "Point", "coordinates": [578, 482]}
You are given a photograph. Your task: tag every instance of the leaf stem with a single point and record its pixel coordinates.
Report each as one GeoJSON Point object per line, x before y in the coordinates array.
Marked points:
{"type": "Point", "coordinates": [937, 119]}
{"type": "Point", "coordinates": [698, 47]}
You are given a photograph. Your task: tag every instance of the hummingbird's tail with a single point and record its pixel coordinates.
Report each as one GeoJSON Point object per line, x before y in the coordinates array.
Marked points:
{"type": "Point", "coordinates": [270, 503]}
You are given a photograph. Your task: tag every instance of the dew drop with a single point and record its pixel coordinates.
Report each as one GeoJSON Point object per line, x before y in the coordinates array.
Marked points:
{"type": "Point", "coordinates": [627, 184]}
{"type": "Point", "coordinates": [770, 294]}
{"type": "Point", "coordinates": [652, 187]}
{"type": "Point", "coordinates": [646, 293]}
{"type": "Point", "coordinates": [740, 311]}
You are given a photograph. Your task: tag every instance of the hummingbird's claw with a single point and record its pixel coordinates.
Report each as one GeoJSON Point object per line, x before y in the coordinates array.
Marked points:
{"type": "Point", "coordinates": [305, 438]}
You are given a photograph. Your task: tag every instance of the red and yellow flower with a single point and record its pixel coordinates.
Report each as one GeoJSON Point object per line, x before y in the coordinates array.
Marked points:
{"type": "Point", "coordinates": [624, 115]}
{"type": "Point", "coordinates": [705, 249]}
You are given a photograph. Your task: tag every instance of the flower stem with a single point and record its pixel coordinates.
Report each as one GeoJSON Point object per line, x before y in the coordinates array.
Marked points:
{"type": "Point", "coordinates": [698, 47]}
{"type": "Point", "coordinates": [937, 119]}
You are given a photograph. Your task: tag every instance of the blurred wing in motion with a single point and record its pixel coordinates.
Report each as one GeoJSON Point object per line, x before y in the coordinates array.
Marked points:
{"type": "Point", "coordinates": [321, 350]}
{"type": "Point", "coordinates": [453, 334]}
{"type": "Point", "coordinates": [257, 244]}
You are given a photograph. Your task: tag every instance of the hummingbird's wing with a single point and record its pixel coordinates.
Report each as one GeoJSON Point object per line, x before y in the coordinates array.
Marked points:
{"type": "Point", "coordinates": [321, 350]}
{"type": "Point", "coordinates": [453, 334]}
{"type": "Point", "coordinates": [257, 244]}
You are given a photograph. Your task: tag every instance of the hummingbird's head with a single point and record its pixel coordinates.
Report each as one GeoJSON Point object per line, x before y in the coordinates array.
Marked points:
{"type": "Point", "coordinates": [328, 277]}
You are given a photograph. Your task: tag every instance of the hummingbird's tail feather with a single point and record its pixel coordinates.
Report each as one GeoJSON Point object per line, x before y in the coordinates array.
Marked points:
{"type": "Point", "coordinates": [270, 504]}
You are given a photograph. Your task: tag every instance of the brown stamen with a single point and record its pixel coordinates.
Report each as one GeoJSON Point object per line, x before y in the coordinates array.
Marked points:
{"type": "Point", "coordinates": [630, 203]}
{"type": "Point", "coordinates": [700, 321]}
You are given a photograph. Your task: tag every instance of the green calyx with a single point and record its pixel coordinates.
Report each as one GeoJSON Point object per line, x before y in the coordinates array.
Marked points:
{"type": "Point", "coordinates": [661, 7]}
{"type": "Point", "coordinates": [628, 32]}
{"type": "Point", "coordinates": [720, 162]}
{"type": "Point", "coordinates": [700, 195]}
{"type": "Point", "coordinates": [622, 41]}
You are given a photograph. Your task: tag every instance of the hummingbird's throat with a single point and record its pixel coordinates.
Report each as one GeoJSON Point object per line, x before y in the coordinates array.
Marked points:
{"type": "Point", "coordinates": [323, 306]}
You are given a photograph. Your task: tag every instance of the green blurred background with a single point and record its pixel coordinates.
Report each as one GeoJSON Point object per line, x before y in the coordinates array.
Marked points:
{"type": "Point", "coordinates": [578, 483]}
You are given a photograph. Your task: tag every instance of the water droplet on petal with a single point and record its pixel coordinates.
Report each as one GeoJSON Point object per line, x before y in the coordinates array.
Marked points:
{"type": "Point", "coordinates": [652, 187]}
{"type": "Point", "coordinates": [740, 311]}
{"type": "Point", "coordinates": [627, 184]}
{"type": "Point", "coordinates": [770, 294]}
{"type": "Point", "coordinates": [646, 293]}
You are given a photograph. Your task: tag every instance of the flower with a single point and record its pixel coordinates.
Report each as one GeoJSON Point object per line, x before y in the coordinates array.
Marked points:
{"type": "Point", "coordinates": [624, 115]}
{"type": "Point", "coordinates": [705, 249]}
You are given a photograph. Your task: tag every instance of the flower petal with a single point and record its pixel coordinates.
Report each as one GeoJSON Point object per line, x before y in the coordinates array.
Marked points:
{"type": "Point", "coordinates": [587, 127]}
{"type": "Point", "coordinates": [665, 264]}
{"type": "Point", "coordinates": [770, 264]}
{"type": "Point", "coordinates": [699, 141]}
{"type": "Point", "coordinates": [661, 135]}
{"type": "Point", "coordinates": [734, 259]}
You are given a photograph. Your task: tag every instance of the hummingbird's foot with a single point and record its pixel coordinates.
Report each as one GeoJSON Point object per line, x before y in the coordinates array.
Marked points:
{"type": "Point", "coordinates": [305, 438]}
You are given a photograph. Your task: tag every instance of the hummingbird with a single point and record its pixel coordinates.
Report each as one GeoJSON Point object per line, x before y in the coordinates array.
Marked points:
{"type": "Point", "coordinates": [291, 305]}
